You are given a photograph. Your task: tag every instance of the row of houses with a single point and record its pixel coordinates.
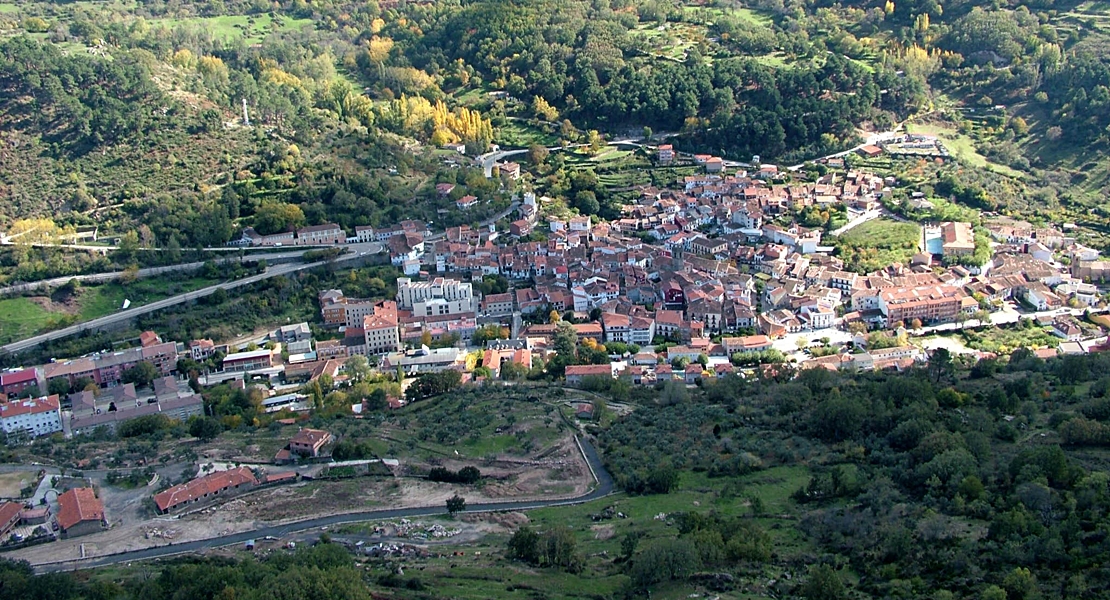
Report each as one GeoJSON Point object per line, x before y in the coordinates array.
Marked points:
{"type": "Point", "coordinates": [103, 369]}
{"type": "Point", "coordinates": [329, 234]}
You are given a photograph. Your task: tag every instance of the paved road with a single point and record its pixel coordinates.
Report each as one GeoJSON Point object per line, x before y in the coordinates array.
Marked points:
{"type": "Point", "coordinates": [860, 220]}
{"type": "Point", "coordinates": [131, 313]}
{"type": "Point", "coordinates": [603, 488]}
{"type": "Point", "coordinates": [489, 159]}
{"type": "Point", "coordinates": [481, 226]}
{"type": "Point", "coordinates": [141, 273]}
{"type": "Point", "coordinates": [872, 139]}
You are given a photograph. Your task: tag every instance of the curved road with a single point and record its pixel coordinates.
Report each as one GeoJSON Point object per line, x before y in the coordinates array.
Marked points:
{"type": "Point", "coordinates": [144, 272]}
{"type": "Point", "coordinates": [601, 476]}
{"type": "Point", "coordinates": [356, 251]}
{"type": "Point", "coordinates": [131, 313]}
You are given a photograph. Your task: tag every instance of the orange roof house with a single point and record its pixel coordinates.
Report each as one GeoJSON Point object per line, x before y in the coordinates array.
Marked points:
{"type": "Point", "coordinates": [80, 512]}
{"type": "Point", "coordinates": [307, 442]}
{"type": "Point", "coordinates": [203, 488]}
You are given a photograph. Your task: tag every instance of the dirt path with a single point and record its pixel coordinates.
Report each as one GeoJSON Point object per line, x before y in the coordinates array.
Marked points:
{"type": "Point", "coordinates": [564, 475]}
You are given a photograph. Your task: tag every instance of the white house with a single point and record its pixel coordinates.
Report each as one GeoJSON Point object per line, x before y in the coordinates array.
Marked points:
{"type": "Point", "coordinates": [35, 416]}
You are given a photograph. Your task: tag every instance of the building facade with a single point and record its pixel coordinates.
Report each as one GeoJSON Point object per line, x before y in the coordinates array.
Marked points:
{"type": "Point", "coordinates": [33, 416]}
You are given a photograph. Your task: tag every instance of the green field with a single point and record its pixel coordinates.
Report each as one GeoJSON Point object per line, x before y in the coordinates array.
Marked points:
{"type": "Point", "coordinates": [251, 29]}
{"type": "Point", "coordinates": [474, 424]}
{"type": "Point", "coordinates": [1004, 340]}
{"type": "Point", "coordinates": [21, 318]}
{"type": "Point", "coordinates": [6, 8]}
{"type": "Point", "coordinates": [483, 571]}
{"type": "Point", "coordinates": [521, 134]}
{"type": "Point", "coordinates": [877, 244]}
{"type": "Point", "coordinates": [962, 147]}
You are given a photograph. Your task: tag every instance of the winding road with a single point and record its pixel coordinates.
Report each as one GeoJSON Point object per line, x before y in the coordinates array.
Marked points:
{"type": "Point", "coordinates": [19, 288]}
{"type": "Point", "coordinates": [355, 251]}
{"type": "Point", "coordinates": [124, 315]}
{"type": "Point", "coordinates": [604, 487]}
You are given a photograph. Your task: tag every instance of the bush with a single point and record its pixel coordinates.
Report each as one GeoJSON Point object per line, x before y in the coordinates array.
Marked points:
{"type": "Point", "coordinates": [465, 475]}
{"type": "Point", "coordinates": [144, 425]}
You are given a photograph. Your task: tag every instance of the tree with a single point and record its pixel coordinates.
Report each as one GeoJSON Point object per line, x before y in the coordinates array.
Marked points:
{"type": "Point", "coordinates": [455, 504]}
{"type": "Point", "coordinates": [560, 549]}
{"type": "Point", "coordinates": [58, 386]}
{"type": "Point", "coordinates": [586, 202]}
{"type": "Point", "coordinates": [595, 141]}
{"type": "Point", "coordinates": [662, 479]}
{"type": "Point", "coordinates": [273, 217]}
{"type": "Point", "coordinates": [512, 371]}
{"type": "Point", "coordinates": [378, 399]}
{"type": "Point", "coordinates": [568, 131]}
{"type": "Point", "coordinates": [668, 560]}
{"type": "Point", "coordinates": [525, 545]}
{"type": "Point", "coordinates": [358, 368]}
{"type": "Point", "coordinates": [647, 133]}
{"type": "Point", "coordinates": [994, 592]}
{"type": "Point", "coordinates": [823, 584]}
{"type": "Point", "coordinates": [377, 50]}
{"type": "Point", "coordinates": [629, 543]}
{"type": "Point", "coordinates": [128, 245]}
{"type": "Point", "coordinates": [940, 363]}
{"type": "Point", "coordinates": [537, 154]}
{"type": "Point", "coordinates": [204, 428]}
{"type": "Point", "coordinates": [543, 110]}
{"type": "Point", "coordinates": [673, 393]}
{"type": "Point", "coordinates": [565, 341]}
{"type": "Point", "coordinates": [142, 374]}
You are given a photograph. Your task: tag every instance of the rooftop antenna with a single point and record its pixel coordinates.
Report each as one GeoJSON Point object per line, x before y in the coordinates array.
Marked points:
{"type": "Point", "coordinates": [246, 119]}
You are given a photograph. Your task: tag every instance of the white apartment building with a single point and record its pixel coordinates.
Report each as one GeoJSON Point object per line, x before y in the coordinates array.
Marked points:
{"type": "Point", "coordinates": [439, 296]}
{"type": "Point", "coordinates": [35, 416]}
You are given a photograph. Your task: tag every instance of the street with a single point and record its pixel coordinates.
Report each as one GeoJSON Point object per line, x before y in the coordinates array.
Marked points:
{"type": "Point", "coordinates": [124, 315]}
{"type": "Point", "coordinates": [604, 487]}
{"type": "Point", "coordinates": [1007, 315]}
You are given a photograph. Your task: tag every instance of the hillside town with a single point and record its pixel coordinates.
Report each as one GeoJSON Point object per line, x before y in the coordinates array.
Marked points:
{"type": "Point", "coordinates": [710, 278]}
{"type": "Point", "coordinates": [706, 277]}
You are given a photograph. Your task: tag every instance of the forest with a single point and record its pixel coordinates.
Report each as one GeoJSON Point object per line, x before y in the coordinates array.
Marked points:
{"type": "Point", "coordinates": [348, 101]}
{"type": "Point", "coordinates": [954, 477]}
{"type": "Point", "coordinates": [323, 571]}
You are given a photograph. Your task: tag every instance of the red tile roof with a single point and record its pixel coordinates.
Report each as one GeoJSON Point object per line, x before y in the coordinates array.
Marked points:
{"type": "Point", "coordinates": [9, 512]}
{"type": "Point", "coordinates": [18, 377]}
{"type": "Point", "coordinates": [589, 370]}
{"type": "Point", "coordinates": [79, 505]}
{"type": "Point", "coordinates": [31, 406]}
{"type": "Point", "coordinates": [202, 486]}
{"type": "Point", "coordinates": [310, 437]}
{"type": "Point", "coordinates": [286, 476]}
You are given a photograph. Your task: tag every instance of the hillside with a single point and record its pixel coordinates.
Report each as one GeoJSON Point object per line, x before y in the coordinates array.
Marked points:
{"type": "Point", "coordinates": [345, 98]}
{"type": "Point", "coordinates": [948, 481]}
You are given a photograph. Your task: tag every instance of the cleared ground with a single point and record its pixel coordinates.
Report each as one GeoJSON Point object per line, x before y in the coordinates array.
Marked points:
{"type": "Point", "coordinates": [11, 484]}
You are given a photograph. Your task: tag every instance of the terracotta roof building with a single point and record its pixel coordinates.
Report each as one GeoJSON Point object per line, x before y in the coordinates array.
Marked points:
{"type": "Point", "coordinates": [9, 516]}
{"type": "Point", "coordinates": [205, 488]}
{"type": "Point", "coordinates": [14, 382]}
{"type": "Point", "coordinates": [308, 442]}
{"type": "Point", "coordinates": [34, 416]}
{"type": "Point", "coordinates": [576, 373]}
{"type": "Point", "coordinates": [80, 512]}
